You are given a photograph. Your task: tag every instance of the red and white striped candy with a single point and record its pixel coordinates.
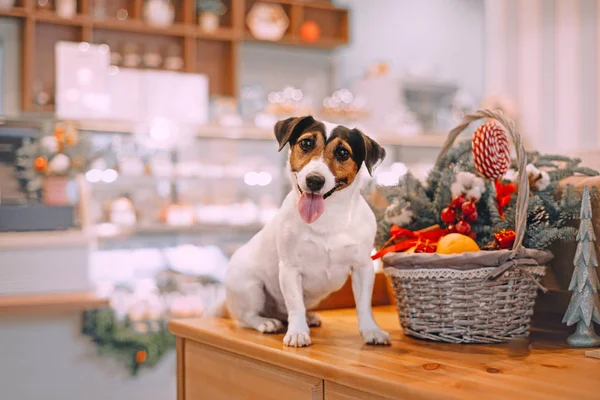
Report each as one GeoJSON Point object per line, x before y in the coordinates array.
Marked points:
{"type": "Point", "coordinates": [491, 152]}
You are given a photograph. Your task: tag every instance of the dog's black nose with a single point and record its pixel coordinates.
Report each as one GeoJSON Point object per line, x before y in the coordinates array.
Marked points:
{"type": "Point", "coordinates": [315, 182]}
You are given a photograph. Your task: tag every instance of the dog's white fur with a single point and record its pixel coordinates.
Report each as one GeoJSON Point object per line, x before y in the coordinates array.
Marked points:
{"type": "Point", "coordinates": [291, 266]}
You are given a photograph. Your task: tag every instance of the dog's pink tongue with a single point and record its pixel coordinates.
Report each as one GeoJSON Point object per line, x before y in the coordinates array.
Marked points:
{"type": "Point", "coordinates": [310, 207]}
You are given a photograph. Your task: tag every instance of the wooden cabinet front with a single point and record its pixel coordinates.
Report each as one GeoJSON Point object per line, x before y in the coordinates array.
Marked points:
{"type": "Point", "coordinates": [214, 374]}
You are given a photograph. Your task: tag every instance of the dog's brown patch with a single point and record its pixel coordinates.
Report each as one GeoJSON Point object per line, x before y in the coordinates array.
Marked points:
{"type": "Point", "coordinates": [345, 171]}
{"type": "Point", "coordinates": [300, 157]}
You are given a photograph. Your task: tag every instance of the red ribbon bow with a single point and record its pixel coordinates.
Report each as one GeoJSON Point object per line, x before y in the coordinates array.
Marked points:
{"type": "Point", "coordinates": [504, 194]}
{"type": "Point", "coordinates": [429, 236]}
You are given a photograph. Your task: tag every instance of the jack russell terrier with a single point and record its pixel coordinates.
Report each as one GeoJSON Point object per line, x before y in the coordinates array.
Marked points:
{"type": "Point", "coordinates": [323, 232]}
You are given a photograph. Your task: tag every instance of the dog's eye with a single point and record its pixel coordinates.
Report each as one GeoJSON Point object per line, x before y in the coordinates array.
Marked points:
{"type": "Point", "coordinates": [307, 144]}
{"type": "Point", "coordinates": [342, 154]}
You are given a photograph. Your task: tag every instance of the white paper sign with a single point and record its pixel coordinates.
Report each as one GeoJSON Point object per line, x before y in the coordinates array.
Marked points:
{"type": "Point", "coordinates": [88, 87]}
{"type": "Point", "coordinates": [81, 72]}
{"type": "Point", "coordinates": [176, 96]}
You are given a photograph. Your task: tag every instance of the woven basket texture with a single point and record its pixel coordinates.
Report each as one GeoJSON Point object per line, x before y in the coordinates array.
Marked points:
{"type": "Point", "coordinates": [465, 307]}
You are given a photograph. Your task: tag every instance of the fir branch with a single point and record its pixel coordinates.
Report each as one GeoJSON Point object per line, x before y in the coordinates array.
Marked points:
{"type": "Point", "coordinates": [570, 205]}
{"type": "Point", "coordinates": [558, 158]}
{"type": "Point", "coordinates": [551, 206]}
{"type": "Point", "coordinates": [448, 161]}
{"type": "Point", "coordinates": [443, 196]}
{"type": "Point", "coordinates": [541, 237]}
{"type": "Point", "coordinates": [491, 205]}
{"type": "Point", "coordinates": [585, 171]}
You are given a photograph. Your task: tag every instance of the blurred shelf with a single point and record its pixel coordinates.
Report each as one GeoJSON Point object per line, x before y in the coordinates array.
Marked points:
{"type": "Point", "coordinates": [249, 132]}
{"type": "Point", "coordinates": [26, 240]}
{"type": "Point", "coordinates": [128, 25]}
{"type": "Point", "coordinates": [246, 132]}
{"type": "Point", "coordinates": [326, 5]}
{"type": "Point", "coordinates": [129, 180]}
{"type": "Point", "coordinates": [214, 54]}
{"type": "Point", "coordinates": [240, 132]}
{"type": "Point", "coordinates": [163, 229]}
{"type": "Point", "coordinates": [290, 40]}
{"type": "Point", "coordinates": [19, 12]}
{"type": "Point", "coordinates": [50, 303]}
{"type": "Point", "coordinates": [52, 18]}
{"type": "Point", "coordinates": [136, 26]}
{"type": "Point", "coordinates": [425, 140]}
{"type": "Point", "coordinates": [41, 111]}
{"type": "Point", "coordinates": [205, 131]}
{"type": "Point", "coordinates": [222, 33]}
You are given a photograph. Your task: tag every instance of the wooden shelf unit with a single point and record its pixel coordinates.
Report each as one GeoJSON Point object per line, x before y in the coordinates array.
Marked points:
{"type": "Point", "coordinates": [215, 54]}
{"type": "Point", "coordinates": [50, 303]}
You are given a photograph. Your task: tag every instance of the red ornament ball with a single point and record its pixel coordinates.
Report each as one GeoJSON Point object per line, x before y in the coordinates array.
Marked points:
{"type": "Point", "coordinates": [468, 208]}
{"type": "Point", "coordinates": [471, 217]}
{"type": "Point", "coordinates": [448, 215]}
{"type": "Point", "coordinates": [491, 152]}
{"type": "Point", "coordinates": [310, 32]}
{"type": "Point", "coordinates": [463, 227]}
{"type": "Point", "coordinates": [457, 202]}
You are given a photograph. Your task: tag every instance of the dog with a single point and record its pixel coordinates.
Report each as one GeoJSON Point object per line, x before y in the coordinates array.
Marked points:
{"type": "Point", "coordinates": [323, 232]}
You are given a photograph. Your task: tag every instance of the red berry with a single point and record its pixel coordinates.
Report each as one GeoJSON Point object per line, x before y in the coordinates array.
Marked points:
{"type": "Point", "coordinates": [458, 201]}
{"type": "Point", "coordinates": [463, 227]}
{"type": "Point", "coordinates": [451, 228]}
{"type": "Point", "coordinates": [448, 215]}
{"type": "Point", "coordinates": [471, 217]}
{"type": "Point", "coordinates": [468, 208]}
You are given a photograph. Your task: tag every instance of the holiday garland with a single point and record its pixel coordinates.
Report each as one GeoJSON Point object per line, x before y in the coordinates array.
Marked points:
{"type": "Point", "coordinates": [455, 198]}
{"type": "Point", "coordinates": [121, 340]}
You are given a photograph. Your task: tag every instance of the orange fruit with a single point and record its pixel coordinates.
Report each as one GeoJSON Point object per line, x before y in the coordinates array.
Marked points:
{"type": "Point", "coordinates": [456, 243]}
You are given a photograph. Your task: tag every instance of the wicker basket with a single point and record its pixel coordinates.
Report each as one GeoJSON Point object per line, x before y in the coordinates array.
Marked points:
{"type": "Point", "coordinates": [479, 297]}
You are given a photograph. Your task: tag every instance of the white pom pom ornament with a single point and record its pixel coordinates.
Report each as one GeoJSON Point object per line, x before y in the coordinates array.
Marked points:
{"type": "Point", "coordinates": [491, 151]}
{"type": "Point", "coordinates": [59, 164]}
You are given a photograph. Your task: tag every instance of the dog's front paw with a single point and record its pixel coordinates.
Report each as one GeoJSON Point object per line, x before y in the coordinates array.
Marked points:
{"type": "Point", "coordinates": [297, 339]}
{"type": "Point", "coordinates": [376, 336]}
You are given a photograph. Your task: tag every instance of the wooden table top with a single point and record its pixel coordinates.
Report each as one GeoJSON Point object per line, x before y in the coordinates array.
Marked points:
{"type": "Point", "coordinates": [412, 368]}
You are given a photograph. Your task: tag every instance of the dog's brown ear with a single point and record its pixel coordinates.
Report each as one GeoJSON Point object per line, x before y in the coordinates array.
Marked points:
{"type": "Point", "coordinates": [287, 130]}
{"type": "Point", "coordinates": [374, 153]}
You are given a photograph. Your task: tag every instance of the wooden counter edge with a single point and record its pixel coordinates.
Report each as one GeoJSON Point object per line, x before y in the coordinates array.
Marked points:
{"type": "Point", "coordinates": [37, 239]}
{"type": "Point", "coordinates": [296, 362]}
{"type": "Point", "coordinates": [50, 303]}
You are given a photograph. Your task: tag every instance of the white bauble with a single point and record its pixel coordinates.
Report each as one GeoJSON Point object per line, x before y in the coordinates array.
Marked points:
{"type": "Point", "coordinates": [59, 164]}
{"type": "Point", "coordinates": [49, 144]}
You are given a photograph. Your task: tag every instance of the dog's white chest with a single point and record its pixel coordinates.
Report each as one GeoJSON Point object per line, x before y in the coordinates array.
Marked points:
{"type": "Point", "coordinates": [326, 264]}
{"type": "Point", "coordinates": [325, 251]}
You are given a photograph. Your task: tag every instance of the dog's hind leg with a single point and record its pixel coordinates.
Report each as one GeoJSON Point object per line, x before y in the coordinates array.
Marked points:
{"type": "Point", "coordinates": [246, 303]}
{"type": "Point", "coordinates": [313, 319]}
{"type": "Point", "coordinates": [263, 324]}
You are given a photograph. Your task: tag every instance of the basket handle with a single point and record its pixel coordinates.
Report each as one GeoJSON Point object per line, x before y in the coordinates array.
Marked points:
{"type": "Point", "coordinates": [523, 192]}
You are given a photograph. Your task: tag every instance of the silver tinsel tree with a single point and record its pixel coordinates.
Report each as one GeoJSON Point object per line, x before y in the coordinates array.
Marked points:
{"type": "Point", "coordinates": [584, 308]}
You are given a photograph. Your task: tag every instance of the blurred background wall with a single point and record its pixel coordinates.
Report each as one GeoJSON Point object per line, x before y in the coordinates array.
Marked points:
{"type": "Point", "coordinates": [543, 55]}
{"type": "Point", "coordinates": [450, 39]}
